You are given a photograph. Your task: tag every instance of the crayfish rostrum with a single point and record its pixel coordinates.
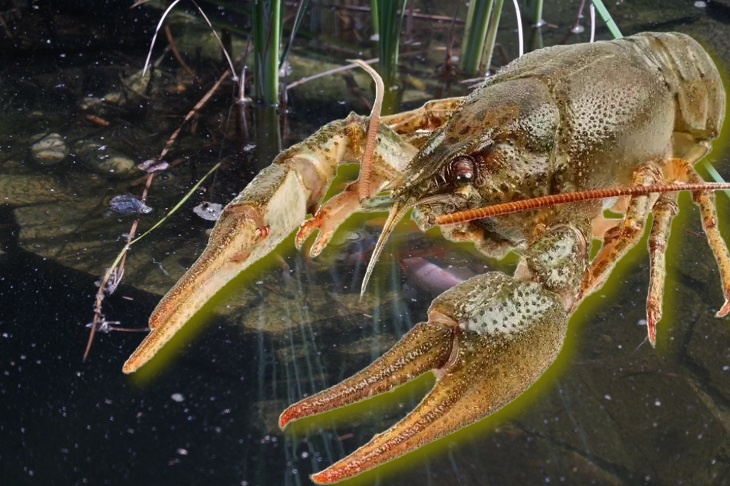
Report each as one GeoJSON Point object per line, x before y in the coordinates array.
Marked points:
{"type": "Point", "coordinates": [633, 113]}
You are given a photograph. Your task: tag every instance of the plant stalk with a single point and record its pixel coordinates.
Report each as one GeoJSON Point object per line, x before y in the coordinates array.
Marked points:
{"type": "Point", "coordinates": [267, 43]}
{"type": "Point", "coordinates": [475, 34]}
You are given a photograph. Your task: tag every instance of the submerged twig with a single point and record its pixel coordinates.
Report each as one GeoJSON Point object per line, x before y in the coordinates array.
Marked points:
{"type": "Point", "coordinates": [116, 270]}
{"type": "Point", "coordinates": [176, 54]}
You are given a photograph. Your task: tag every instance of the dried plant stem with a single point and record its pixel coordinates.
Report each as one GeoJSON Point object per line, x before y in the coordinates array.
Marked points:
{"type": "Point", "coordinates": [117, 267]}
{"type": "Point", "coordinates": [176, 54]}
{"type": "Point", "coordinates": [328, 72]}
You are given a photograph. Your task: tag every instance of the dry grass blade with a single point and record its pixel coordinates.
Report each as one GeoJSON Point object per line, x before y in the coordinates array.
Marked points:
{"type": "Point", "coordinates": [154, 37]}
{"type": "Point", "coordinates": [220, 42]}
{"type": "Point", "coordinates": [328, 72]}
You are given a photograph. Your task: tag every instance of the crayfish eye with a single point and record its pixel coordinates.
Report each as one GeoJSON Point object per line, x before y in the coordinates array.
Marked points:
{"type": "Point", "coordinates": [462, 170]}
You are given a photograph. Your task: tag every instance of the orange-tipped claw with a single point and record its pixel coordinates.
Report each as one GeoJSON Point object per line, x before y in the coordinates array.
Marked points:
{"type": "Point", "coordinates": [652, 318]}
{"type": "Point", "coordinates": [487, 339]}
{"type": "Point", "coordinates": [725, 309]}
{"type": "Point", "coordinates": [427, 346]}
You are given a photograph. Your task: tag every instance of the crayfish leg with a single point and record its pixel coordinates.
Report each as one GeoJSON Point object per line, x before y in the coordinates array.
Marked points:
{"type": "Point", "coordinates": [665, 209]}
{"type": "Point", "coordinates": [621, 238]}
{"type": "Point", "coordinates": [708, 212]}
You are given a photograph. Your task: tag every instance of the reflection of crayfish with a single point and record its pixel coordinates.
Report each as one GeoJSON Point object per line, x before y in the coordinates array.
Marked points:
{"type": "Point", "coordinates": [634, 113]}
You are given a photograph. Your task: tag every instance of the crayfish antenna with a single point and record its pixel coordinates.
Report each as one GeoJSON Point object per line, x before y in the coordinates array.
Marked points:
{"type": "Point", "coordinates": [571, 197]}
{"type": "Point", "coordinates": [366, 165]}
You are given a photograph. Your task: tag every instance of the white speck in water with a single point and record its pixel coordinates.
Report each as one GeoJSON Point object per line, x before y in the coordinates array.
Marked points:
{"type": "Point", "coordinates": [607, 396]}
{"type": "Point", "coordinates": [700, 4]}
{"type": "Point", "coordinates": [177, 397]}
{"type": "Point", "coordinates": [725, 368]}
{"type": "Point", "coordinates": [641, 322]}
{"type": "Point", "coordinates": [305, 455]}
{"type": "Point", "coordinates": [182, 452]}
{"type": "Point", "coordinates": [657, 403]}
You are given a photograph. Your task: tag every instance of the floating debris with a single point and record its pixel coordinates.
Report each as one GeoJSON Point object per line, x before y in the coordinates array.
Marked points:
{"type": "Point", "coordinates": [114, 279]}
{"type": "Point", "coordinates": [209, 211]}
{"type": "Point", "coordinates": [49, 150]}
{"type": "Point", "coordinates": [153, 165]}
{"type": "Point", "coordinates": [127, 205]}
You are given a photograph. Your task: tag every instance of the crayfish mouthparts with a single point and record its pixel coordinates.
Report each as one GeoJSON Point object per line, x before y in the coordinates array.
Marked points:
{"type": "Point", "coordinates": [397, 212]}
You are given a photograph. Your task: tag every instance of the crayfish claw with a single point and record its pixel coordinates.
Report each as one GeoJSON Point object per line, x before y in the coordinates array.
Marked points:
{"type": "Point", "coordinates": [725, 309]}
{"type": "Point", "coordinates": [427, 346]}
{"type": "Point", "coordinates": [487, 340]}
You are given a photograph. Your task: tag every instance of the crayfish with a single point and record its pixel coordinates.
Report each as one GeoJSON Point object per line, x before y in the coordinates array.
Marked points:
{"type": "Point", "coordinates": [559, 135]}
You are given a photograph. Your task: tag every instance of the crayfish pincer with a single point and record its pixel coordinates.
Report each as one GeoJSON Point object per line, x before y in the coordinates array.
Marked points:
{"type": "Point", "coordinates": [551, 134]}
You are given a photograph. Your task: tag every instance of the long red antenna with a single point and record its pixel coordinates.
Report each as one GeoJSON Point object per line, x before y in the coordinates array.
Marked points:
{"type": "Point", "coordinates": [570, 197]}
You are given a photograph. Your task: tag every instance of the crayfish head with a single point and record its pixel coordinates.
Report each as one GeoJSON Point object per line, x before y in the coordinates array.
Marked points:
{"type": "Point", "coordinates": [500, 146]}
{"type": "Point", "coordinates": [496, 147]}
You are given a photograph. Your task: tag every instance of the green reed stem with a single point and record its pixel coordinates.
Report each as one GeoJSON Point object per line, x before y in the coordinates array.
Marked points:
{"type": "Point", "coordinates": [603, 12]}
{"type": "Point", "coordinates": [297, 22]}
{"type": "Point", "coordinates": [492, 33]}
{"type": "Point", "coordinates": [389, 22]}
{"type": "Point", "coordinates": [374, 15]}
{"type": "Point", "coordinates": [475, 35]}
{"type": "Point", "coordinates": [389, 25]}
{"type": "Point", "coordinates": [267, 43]}
{"type": "Point", "coordinates": [537, 12]}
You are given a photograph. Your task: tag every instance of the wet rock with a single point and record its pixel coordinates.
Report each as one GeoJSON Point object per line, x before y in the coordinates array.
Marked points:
{"type": "Point", "coordinates": [135, 87]}
{"type": "Point", "coordinates": [104, 160]}
{"type": "Point", "coordinates": [23, 190]}
{"type": "Point", "coordinates": [49, 150]}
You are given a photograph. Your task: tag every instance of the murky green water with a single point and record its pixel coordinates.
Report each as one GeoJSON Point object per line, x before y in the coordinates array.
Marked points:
{"type": "Point", "coordinates": [612, 410]}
